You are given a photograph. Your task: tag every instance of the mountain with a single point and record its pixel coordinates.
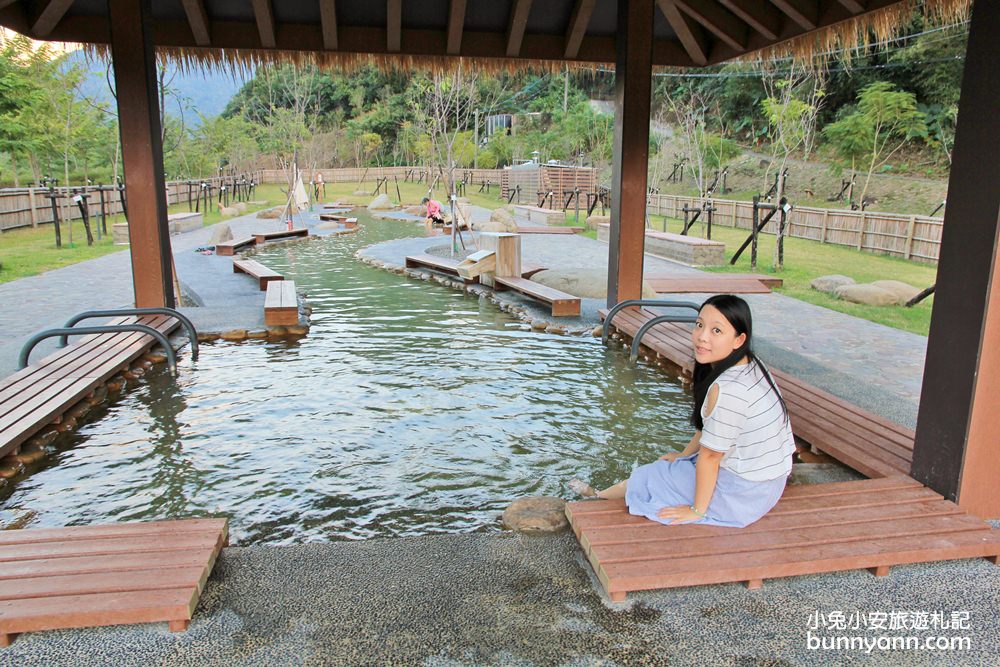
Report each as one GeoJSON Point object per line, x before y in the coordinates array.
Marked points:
{"type": "Point", "coordinates": [195, 92]}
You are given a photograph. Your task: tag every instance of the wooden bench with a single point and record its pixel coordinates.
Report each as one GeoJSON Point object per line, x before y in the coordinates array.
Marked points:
{"type": "Point", "coordinates": [563, 304]}
{"type": "Point", "coordinates": [82, 576]}
{"type": "Point", "coordinates": [230, 248]}
{"type": "Point", "coordinates": [256, 270]}
{"type": "Point", "coordinates": [708, 284]}
{"type": "Point", "coordinates": [872, 445]}
{"type": "Point", "coordinates": [35, 396]}
{"type": "Point", "coordinates": [263, 237]}
{"type": "Point", "coordinates": [864, 524]}
{"type": "Point", "coordinates": [549, 230]}
{"type": "Point", "coordinates": [332, 217]}
{"type": "Point", "coordinates": [441, 264]}
{"type": "Point", "coordinates": [281, 305]}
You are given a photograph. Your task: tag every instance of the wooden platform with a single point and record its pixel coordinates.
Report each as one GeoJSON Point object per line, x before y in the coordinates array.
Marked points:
{"type": "Point", "coordinates": [255, 269]}
{"type": "Point", "coordinates": [872, 445]}
{"type": "Point", "coordinates": [549, 230]}
{"type": "Point", "coordinates": [39, 394]}
{"type": "Point", "coordinates": [105, 575]}
{"type": "Point", "coordinates": [873, 524]}
{"type": "Point", "coordinates": [281, 305]}
{"type": "Point", "coordinates": [442, 264]}
{"type": "Point", "coordinates": [263, 237]}
{"type": "Point", "coordinates": [563, 304]}
{"type": "Point", "coordinates": [229, 249]}
{"type": "Point", "coordinates": [721, 283]}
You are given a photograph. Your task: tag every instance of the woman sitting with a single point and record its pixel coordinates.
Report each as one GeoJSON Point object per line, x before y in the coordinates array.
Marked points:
{"type": "Point", "coordinates": [735, 467]}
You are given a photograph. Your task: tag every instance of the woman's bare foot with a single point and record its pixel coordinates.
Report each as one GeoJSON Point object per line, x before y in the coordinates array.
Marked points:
{"type": "Point", "coordinates": [581, 488]}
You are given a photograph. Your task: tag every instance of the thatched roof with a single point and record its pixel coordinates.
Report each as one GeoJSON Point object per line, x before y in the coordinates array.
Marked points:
{"type": "Point", "coordinates": [490, 34]}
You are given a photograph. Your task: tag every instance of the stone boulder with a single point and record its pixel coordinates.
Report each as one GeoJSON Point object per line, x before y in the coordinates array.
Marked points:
{"type": "Point", "coordinates": [869, 295]}
{"type": "Point", "coordinates": [240, 206]}
{"type": "Point", "coordinates": [270, 213]}
{"type": "Point", "coordinates": [221, 233]}
{"type": "Point", "coordinates": [902, 291]}
{"type": "Point", "coordinates": [829, 284]}
{"type": "Point", "coordinates": [381, 203]}
{"type": "Point", "coordinates": [595, 220]}
{"type": "Point", "coordinates": [228, 211]}
{"type": "Point", "coordinates": [500, 221]}
{"type": "Point", "coordinates": [585, 283]}
{"type": "Point", "coordinates": [361, 193]}
{"type": "Point", "coordinates": [416, 210]}
{"type": "Point", "coordinates": [538, 514]}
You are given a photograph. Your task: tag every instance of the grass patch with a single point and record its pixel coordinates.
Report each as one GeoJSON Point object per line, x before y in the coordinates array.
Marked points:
{"type": "Point", "coordinates": [806, 260]}
{"type": "Point", "coordinates": [29, 251]}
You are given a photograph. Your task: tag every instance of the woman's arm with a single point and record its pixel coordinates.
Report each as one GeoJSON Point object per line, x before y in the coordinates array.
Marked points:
{"type": "Point", "coordinates": [691, 448]}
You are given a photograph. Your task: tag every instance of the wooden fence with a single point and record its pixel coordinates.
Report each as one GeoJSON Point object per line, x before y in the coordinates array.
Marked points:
{"type": "Point", "coordinates": [30, 207]}
{"type": "Point", "coordinates": [373, 174]}
{"type": "Point", "coordinates": [916, 237]}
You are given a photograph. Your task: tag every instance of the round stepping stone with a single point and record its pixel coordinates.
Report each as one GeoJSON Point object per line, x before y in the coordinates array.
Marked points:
{"type": "Point", "coordinates": [536, 514]}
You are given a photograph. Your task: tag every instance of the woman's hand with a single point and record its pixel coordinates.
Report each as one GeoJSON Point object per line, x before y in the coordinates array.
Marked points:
{"type": "Point", "coordinates": [679, 514]}
{"type": "Point", "coordinates": [672, 456]}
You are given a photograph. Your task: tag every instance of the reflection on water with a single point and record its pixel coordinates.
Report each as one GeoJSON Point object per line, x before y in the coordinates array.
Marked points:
{"type": "Point", "coordinates": [409, 409]}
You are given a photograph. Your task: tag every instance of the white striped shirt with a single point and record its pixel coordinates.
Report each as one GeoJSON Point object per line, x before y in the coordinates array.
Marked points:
{"type": "Point", "coordinates": [749, 425]}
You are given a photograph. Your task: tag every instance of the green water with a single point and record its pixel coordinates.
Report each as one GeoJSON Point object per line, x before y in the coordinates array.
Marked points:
{"type": "Point", "coordinates": [409, 409]}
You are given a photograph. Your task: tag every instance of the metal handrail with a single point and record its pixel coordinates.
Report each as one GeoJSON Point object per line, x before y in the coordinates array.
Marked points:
{"type": "Point", "coordinates": [108, 328]}
{"type": "Point", "coordinates": [86, 315]}
{"type": "Point", "coordinates": [642, 302]}
{"type": "Point", "coordinates": [649, 325]}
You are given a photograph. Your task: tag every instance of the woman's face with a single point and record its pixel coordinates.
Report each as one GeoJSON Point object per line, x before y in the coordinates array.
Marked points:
{"type": "Point", "coordinates": [714, 337]}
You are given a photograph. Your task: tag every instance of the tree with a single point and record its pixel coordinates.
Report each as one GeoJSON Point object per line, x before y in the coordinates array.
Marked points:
{"type": "Point", "coordinates": [885, 119]}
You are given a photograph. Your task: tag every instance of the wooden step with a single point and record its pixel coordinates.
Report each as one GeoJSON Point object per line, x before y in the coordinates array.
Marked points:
{"type": "Point", "coordinates": [105, 575]}
{"type": "Point", "coordinates": [255, 269]}
{"type": "Point", "coordinates": [563, 304]}
{"type": "Point", "coordinates": [281, 305]}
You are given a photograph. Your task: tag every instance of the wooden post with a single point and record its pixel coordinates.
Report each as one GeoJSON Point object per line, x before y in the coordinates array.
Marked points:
{"type": "Point", "coordinates": [958, 425]}
{"type": "Point", "coordinates": [736, 208]}
{"type": "Point", "coordinates": [822, 232]}
{"type": "Point", "coordinates": [908, 250]}
{"type": "Point", "coordinates": [142, 151]}
{"type": "Point", "coordinates": [31, 205]}
{"type": "Point", "coordinates": [861, 233]}
{"type": "Point", "coordinates": [633, 83]}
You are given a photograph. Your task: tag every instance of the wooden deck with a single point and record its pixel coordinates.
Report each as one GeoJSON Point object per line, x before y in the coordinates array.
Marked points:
{"type": "Point", "coordinates": [256, 270]}
{"type": "Point", "coordinates": [562, 304]}
{"type": "Point", "coordinates": [263, 237]}
{"type": "Point", "coordinates": [105, 575]}
{"type": "Point", "coordinates": [38, 395]}
{"type": "Point", "coordinates": [872, 445]}
{"type": "Point", "coordinates": [873, 524]}
{"type": "Point", "coordinates": [710, 284]}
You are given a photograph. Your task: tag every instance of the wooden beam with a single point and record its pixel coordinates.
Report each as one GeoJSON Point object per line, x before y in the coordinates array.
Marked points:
{"type": "Point", "coordinates": [134, 63]}
{"type": "Point", "coordinates": [516, 25]}
{"type": "Point", "coordinates": [265, 23]}
{"type": "Point", "coordinates": [456, 24]}
{"type": "Point", "coordinates": [49, 16]}
{"type": "Point", "coordinates": [630, 161]}
{"type": "Point", "coordinates": [688, 33]}
{"type": "Point", "coordinates": [195, 10]}
{"type": "Point", "coordinates": [804, 12]}
{"type": "Point", "coordinates": [578, 26]}
{"type": "Point", "coordinates": [760, 16]}
{"type": "Point", "coordinates": [328, 19]}
{"type": "Point", "coordinates": [393, 25]}
{"type": "Point", "coordinates": [958, 424]}
{"type": "Point", "coordinates": [717, 21]}
{"type": "Point", "coordinates": [853, 6]}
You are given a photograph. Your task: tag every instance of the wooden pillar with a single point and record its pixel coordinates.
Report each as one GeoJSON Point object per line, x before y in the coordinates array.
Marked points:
{"type": "Point", "coordinates": [957, 449]}
{"type": "Point", "coordinates": [142, 151]}
{"type": "Point", "coordinates": [633, 81]}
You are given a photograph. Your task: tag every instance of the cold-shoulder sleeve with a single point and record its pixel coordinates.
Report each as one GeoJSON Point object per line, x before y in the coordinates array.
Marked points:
{"type": "Point", "coordinates": [725, 423]}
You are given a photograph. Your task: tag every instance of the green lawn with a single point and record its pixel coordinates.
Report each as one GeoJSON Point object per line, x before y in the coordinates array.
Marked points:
{"type": "Point", "coordinates": [30, 251]}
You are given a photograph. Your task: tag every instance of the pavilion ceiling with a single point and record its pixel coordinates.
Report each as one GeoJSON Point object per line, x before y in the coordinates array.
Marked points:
{"type": "Point", "coordinates": [687, 33]}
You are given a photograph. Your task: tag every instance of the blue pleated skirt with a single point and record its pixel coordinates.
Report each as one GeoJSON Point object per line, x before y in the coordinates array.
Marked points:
{"type": "Point", "coordinates": [737, 502]}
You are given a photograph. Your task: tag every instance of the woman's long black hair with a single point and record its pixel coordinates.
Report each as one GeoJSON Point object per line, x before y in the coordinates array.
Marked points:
{"type": "Point", "coordinates": [737, 313]}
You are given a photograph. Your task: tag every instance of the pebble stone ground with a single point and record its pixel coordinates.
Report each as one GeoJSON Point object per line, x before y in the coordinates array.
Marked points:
{"type": "Point", "coordinates": [487, 599]}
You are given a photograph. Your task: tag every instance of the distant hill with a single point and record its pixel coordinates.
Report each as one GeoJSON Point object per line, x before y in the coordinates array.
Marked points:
{"type": "Point", "coordinates": [206, 93]}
